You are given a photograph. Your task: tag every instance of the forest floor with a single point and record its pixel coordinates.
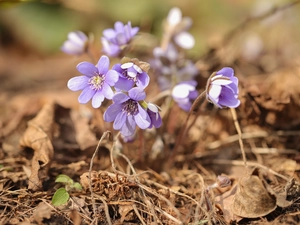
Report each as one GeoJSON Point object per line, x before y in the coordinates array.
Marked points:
{"type": "Point", "coordinates": [44, 132]}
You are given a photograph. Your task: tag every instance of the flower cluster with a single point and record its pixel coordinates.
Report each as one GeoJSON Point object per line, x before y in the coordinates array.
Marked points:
{"type": "Point", "coordinates": [114, 40]}
{"type": "Point", "coordinates": [125, 82]}
{"type": "Point", "coordinates": [172, 69]}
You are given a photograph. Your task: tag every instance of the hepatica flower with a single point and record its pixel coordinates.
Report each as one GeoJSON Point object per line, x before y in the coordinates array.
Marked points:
{"type": "Point", "coordinates": [153, 112]}
{"type": "Point", "coordinates": [132, 72]}
{"type": "Point", "coordinates": [76, 44]}
{"type": "Point", "coordinates": [222, 89]}
{"type": "Point", "coordinates": [114, 40]}
{"type": "Point", "coordinates": [184, 93]}
{"type": "Point", "coordinates": [177, 28]}
{"type": "Point", "coordinates": [95, 83]}
{"type": "Point", "coordinates": [126, 112]}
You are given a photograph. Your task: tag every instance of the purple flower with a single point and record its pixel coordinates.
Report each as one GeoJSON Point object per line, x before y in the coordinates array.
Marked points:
{"type": "Point", "coordinates": [169, 65]}
{"type": "Point", "coordinates": [96, 82]}
{"type": "Point", "coordinates": [126, 112]}
{"type": "Point", "coordinates": [76, 44]}
{"type": "Point", "coordinates": [115, 39]}
{"type": "Point", "coordinates": [222, 89]}
{"type": "Point", "coordinates": [183, 93]}
{"type": "Point", "coordinates": [153, 112]}
{"type": "Point", "coordinates": [130, 74]}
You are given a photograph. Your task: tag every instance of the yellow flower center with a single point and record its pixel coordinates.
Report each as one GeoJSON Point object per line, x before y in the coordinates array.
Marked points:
{"type": "Point", "coordinates": [96, 82]}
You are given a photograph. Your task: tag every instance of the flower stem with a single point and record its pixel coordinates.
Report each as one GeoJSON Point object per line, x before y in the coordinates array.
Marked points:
{"type": "Point", "coordinates": [238, 129]}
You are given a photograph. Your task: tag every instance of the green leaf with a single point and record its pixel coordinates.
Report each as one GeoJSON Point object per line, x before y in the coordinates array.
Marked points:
{"type": "Point", "coordinates": [62, 178]}
{"type": "Point", "coordinates": [60, 197]}
{"type": "Point", "coordinates": [76, 186]}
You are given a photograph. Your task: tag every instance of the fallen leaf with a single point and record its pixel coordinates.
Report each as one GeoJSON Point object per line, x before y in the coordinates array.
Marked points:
{"type": "Point", "coordinates": [225, 201]}
{"type": "Point", "coordinates": [38, 136]}
{"type": "Point", "coordinates": [43, 211]}
{"type": "Point", "coordinates": [252, 199]}
{"type": "Point", "coordinates": [75, 217]}
{"type": "Point", "coordinates": [85, 138]}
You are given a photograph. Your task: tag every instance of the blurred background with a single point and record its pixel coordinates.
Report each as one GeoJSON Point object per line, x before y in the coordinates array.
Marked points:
{"type": "Point", "coordinates": [32, 32]}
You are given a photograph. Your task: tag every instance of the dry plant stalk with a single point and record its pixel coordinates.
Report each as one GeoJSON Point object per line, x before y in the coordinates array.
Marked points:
{"type": "Point", "coordinates": [239, 131]}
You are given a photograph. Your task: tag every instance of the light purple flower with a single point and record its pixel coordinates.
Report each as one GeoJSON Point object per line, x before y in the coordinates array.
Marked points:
{"type": "Point", "coordinates": [153, 112]}
{"type": "Point", "coordinates": [96, 83]}
{"type": "Point", "coordinates": [222, 89]}
{"type": "Point", "coordinates": [169, 65]}
{"type": "Point", "coordinates": [76, 44]}
{"type": "Point", "coordinates": [130, 74]}
{"type": "Point", "coordinates": [184, 93]}
{"type": "Point", "coordinates": [126, 112]}
{"type": "Point", "coordinates": [177, 28]}
{"type": "Point", "coordinates": [114, 40]}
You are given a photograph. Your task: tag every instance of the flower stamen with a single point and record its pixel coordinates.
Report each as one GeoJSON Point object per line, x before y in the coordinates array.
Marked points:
{"type": "Point", "coordinates": [130, 107]}
{"type": "Point", "coordinates": [96, 82]}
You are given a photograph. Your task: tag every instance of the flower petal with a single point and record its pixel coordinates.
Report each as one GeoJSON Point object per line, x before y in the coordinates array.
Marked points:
{"type": "Point", "coordinates": [111, 77]}
{"type": "Point", "coordinates": [185, 40]}
{"type": "Point", "coordinates": [126, 65]}
{"type": "Point", "coordinates": [78, 83]}
{"type": "Point", "coordinates": [174, 16]}
{"type": "Point", "coordinates": [137, 94]}
{"type": "Point", "coordinates": [111, 112]}
{"type": "Point", "coordinates": [107, 91]}
{"type": "Point", "coordinates": [103, 64]}
{"type": "Point", "coordinates": [120, 121]}
{"type": "Point", "coordinates": [142, 119]}
{"type": "Point", "coordinates": [134, 31]}
{"type": "Point", "coordinates": [87, 69]}
{"type": "Point", "coordinates": [121, 39]}
{"type": "Point", "coordinates": [72, 48]}
{"type": "Point", "coordinates": [109, 33]}
{"type": "Point", "coordinates": [226, 71]}
{"type": "Point", "coordinates": [124, 84]}
{"type": "Point", "coordinates": [120, 97]}
{"type": "Point", "coordinates": [143, 80]}
{"type": "Point", "coordinates": [129, 127]}
{"type": "Point", "coordinates": [215, 91]}
{"type": "Point", "coordinates": [220, 81]}
{"type": "Point", "coordinates": [86, 95]}
{"type": "Point", "coordinates": [77, 37]}
{"type": "Point", "coordinates": [228, 98]}
{"type": "Point", "coordinates": [110, 48]}
{"type": "Point", "coordinates": [97, 99]}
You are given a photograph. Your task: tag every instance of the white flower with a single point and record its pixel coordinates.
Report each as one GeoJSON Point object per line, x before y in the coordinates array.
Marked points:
{"type": "Point", "coordinates": [178, 26]}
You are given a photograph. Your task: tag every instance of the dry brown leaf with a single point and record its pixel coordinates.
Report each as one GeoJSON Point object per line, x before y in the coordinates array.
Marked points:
{"type": "Point", "coordinates": [252, 199]}
{"type": "Point", "coordinates": [85, 138]}
{"type": "Point", "coordinates": [42, 211]}
{"type": "Point", "coordinates": [38, 136]}
{"type": "Point", "coordinates": [126, 212]}
{"type": "Point", "coordinates": [75, 217]}
{"type": "Point", "coordinates": [225, 201]}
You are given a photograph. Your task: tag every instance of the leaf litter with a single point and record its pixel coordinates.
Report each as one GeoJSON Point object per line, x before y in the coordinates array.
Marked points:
{"type": "Point", "coordinates": [126, 183]}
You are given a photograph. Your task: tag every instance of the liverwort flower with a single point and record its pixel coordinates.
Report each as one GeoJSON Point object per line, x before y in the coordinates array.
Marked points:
{"type": "Point", "coordinates": [76, 44]}
{"type": "Point", "coordinates": [170, 66]}
{"type": "Point", "coordinates": [222, 89]}
{"type": "Point", "coordinates": [114, 40]}
{"type": "Point", "coordinates": [96, 83]}
{"type": "Point", "coordinates": [184, 93]}
{"type": "Point", "coordinates": [177, 27]}
{"type": "Point", "coordinates": [153, 112]}
{"type": "Point", "coordinates": [132, 72]}
{"type": "Point", "coordinates": [126, 112]}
